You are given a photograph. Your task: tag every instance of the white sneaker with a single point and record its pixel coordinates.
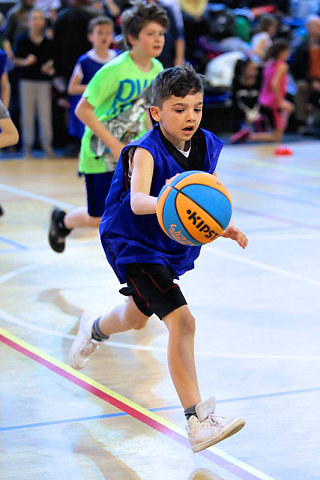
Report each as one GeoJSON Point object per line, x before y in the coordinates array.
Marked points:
{"type": "Point", "coordinates": [84, 345]}
{"type": "Point", "coordinates": [206, 429]}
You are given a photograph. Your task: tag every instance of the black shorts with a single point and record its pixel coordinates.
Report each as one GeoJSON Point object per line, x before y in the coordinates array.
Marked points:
{"type": "Point", "coordinates": [153, 289]}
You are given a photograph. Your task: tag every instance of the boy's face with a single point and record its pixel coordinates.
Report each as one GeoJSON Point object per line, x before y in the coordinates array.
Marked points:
{"type": "Point", "coordinates": [179, 117]}
{"type": "Point", "coordinates": [102, 36]}
{"type": "Point", "coordinates": [37, 21]}
{"type": "Point", "coordinates": [150, 40]}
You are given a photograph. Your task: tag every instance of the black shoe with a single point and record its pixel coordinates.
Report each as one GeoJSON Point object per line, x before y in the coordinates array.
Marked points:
{"type": "Point", "coordinates": [57, 231]}
{"type": "Point", "coordinates": [1, 211]}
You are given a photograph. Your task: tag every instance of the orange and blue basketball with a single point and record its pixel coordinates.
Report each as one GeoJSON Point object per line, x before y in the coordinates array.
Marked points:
{"type": "Point", "coordinates": [194, 208]}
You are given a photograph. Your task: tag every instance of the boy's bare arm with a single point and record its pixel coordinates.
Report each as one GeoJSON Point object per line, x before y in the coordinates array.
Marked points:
{"type": "Point", "coordinates": [5, 90]}
{"type": "Point", "coordinates": [86, 113]}
{"type": "Point", "coordinates": [142, 203]}
{"type": "Point", "coordinates": [9, 134]}
{"type": "Point", "coordinates": [75, 86]}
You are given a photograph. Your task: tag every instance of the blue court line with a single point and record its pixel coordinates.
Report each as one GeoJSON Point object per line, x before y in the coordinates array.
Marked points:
{"type": "Point", "coordinates": [159, 409]}
{"type": "Point", "coordinates": [13, 244]}
{"type": "Point", "coordinates": [80, 419]}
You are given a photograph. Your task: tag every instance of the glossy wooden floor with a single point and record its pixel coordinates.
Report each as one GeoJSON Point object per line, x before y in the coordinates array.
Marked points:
{"type": "Point", "coordinates": [257, 339]}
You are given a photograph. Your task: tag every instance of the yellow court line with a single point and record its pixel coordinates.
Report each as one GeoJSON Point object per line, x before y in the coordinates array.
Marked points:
{"type": "Point", "coordinates": [217, 456]}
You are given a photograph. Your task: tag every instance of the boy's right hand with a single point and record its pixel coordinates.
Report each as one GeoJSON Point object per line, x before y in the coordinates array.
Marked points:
{"type": "Point", "coordinates": [235, 234]}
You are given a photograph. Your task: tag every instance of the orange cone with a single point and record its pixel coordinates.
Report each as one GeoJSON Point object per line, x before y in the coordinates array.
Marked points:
{"type": "Point", "coordinates": [283, 150]}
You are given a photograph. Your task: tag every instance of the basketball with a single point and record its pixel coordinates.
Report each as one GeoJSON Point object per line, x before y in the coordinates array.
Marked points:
{"type": "Point", "coordinates": [194, 208]}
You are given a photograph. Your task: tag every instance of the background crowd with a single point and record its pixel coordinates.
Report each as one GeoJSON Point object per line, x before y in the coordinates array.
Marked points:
{"type": "Point", "coordinates": [241, 47]}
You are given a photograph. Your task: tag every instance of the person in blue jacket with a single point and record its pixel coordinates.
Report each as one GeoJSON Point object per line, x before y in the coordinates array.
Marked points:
{"type": "Point", "coordinates": [145, 258]}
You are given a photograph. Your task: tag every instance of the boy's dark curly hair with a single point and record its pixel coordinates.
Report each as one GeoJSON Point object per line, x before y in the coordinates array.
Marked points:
{"type": "Point", "coordinates": [135, 18]}
{"type": "Point", "coordinates": [178, 81]}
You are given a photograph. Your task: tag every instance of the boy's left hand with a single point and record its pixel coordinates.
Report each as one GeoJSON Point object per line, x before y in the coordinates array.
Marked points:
{"type": "Point", "coordinates": [235, 234]}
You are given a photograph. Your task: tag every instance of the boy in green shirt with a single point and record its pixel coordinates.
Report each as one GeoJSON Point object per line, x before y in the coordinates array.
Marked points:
{"type": "Point", "coordinates": [113, 108]}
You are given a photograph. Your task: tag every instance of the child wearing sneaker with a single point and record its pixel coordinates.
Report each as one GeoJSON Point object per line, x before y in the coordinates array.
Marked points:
{"type": "Point", "coordinates": [145, 258]}
{"type": "Point", "coordinates": [114, 92]}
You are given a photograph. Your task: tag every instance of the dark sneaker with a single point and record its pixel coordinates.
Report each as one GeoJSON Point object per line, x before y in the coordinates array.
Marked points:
{"type": "Point", "coordinates": [1, 211]}
{"type": "Point", "coordinates": [57, 231]}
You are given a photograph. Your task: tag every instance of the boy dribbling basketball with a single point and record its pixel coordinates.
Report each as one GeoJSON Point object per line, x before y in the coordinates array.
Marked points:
{"type": "Point", "coordinates": [145, 258]}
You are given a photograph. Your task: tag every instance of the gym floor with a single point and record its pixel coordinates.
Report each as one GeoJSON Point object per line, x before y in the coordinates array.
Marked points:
{"type": "Point", "coordinates": [257, 339]}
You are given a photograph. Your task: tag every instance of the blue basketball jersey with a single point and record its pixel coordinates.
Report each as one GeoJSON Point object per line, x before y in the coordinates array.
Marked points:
{"type": "Point", "coordinates": [129, 238]}
{"type": "Point", "coordinates": [89, 67]}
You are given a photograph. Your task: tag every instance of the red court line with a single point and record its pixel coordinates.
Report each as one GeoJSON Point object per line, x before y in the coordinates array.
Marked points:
{"type": "Point", "coordinates": [210, 455]}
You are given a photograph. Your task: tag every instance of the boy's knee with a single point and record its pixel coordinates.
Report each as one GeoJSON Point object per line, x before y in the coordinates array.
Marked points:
{"type": "Point", "coordinates": [189, 325]}
{"type": "Point", "coordinates": [139, 324]}
{"type": "Point", "coordinates": [184, 325]}
{"type": "Point", "coordinates": [135, 322]}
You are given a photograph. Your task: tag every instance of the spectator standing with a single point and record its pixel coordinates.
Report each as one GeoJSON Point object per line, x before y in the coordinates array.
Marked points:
{"type": "Point", "coordinates": [34, 55]}
{"type": "Point", "coordinates": [17, 24]}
